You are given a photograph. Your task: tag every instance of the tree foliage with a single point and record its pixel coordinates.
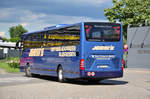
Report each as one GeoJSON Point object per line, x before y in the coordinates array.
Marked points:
{"type": "Point", "coordinates": [133, 12]}
{"type": "Point", "coordinates": [4, 39]}
{"type": "Point", "coordinates": [16, 32]}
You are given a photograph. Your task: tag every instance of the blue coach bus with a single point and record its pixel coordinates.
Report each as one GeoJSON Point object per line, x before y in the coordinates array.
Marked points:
{"type": "Point", "coordinates": [86, 50]}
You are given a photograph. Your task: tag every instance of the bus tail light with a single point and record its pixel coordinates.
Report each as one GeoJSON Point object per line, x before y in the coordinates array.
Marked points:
{"type": "Point", "coordinates": [122, 64]}
{"type": "Point", "coordinates": [82, 64]}
{"type": "Point", "coordinates": [122, 68]}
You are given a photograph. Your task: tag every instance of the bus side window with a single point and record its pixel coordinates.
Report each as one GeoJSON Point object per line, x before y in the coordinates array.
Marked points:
{"type": "Point", "coordinates": [62, 37]}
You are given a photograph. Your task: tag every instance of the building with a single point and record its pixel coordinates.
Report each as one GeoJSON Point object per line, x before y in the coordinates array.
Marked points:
{"type": "Point", "coordinates": [138, 39]}
{"type": "Point", "coordinates": [8, 49]}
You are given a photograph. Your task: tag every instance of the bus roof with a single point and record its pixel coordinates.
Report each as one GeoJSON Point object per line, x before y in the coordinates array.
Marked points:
{"type": "Point", "coordinates": [58, 26]}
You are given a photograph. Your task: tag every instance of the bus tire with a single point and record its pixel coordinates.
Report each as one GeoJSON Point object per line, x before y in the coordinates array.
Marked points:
{"type": "Point", "coordinates": [60, 75]}
{"type": "Point", "coordinates": [28, 71]}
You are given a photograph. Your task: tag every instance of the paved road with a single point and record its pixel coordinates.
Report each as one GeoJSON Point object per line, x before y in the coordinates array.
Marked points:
{"type": "Point", "coordinates": [9, 79]}
{"type": "Point", "coordinates": [134, 85]}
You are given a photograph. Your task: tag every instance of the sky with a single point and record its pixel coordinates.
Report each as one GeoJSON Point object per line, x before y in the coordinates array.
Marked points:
{"type": "Point", "coordinates": [36, 14]}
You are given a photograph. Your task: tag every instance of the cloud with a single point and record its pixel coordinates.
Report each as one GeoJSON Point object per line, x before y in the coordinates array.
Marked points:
{"type": "Point", "coordinates": [83, 2]}
{"type": "Point", "coordinates": [79, 2]}
{"type": "Point", "coordinates": [37, 14]}
{"type": "Point", "coordinates": [32, 20]}
{"type": "Point", "coordinates": [2, 34]}
{"type": "Point", "coordinates": [50, 2]}
{"type": "Point", "coordinates": [91, 8]}
{"type": "Point", "coordinates": [10, 15]}
{"type": "Point", "coordinates": [24, 24]}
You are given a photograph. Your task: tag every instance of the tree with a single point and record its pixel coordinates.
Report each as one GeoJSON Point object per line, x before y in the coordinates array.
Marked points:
{"type": "Point", "coordinates": [129, 12]}
{"type": "Point", "coordinates": [4, 39]}
{"type": "Point", "coordinates": [16, 32]}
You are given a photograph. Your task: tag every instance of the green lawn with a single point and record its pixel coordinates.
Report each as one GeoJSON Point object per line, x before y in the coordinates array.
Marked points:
{"type": "Point", "coordinates": [10, 64]}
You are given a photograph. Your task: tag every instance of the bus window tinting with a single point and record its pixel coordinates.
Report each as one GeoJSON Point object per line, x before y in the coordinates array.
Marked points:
{"type": "Point", "coordinates": [102, 32]}
{"type": "Point", "coordinates": [62, 37]}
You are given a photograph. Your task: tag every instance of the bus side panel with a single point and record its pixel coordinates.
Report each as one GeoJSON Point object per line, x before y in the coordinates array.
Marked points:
{"type": "Point", "coordinates": [46, 64]}
{"type": "Point", "coordinates": [52, 59]}
{"type": "Point", "coordinates": [70, 64]}
{"type": "Point", "coordinates": [25, 59]}
{"type": "Point", "coordinates": [49, 62]}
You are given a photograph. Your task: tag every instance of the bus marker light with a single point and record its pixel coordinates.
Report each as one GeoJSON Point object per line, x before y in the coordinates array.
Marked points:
{"type": "Point", "coordinates": [93, 73]}
{"type": "Point", "coordinates": [122, 68]}
{"type": "Point", "coordinates": [122, 64]}
{"type": "Point", "coordinates": [88, 73]}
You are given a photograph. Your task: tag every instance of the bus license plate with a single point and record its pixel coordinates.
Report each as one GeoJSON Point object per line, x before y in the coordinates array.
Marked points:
{"type": "Point", "coordinates": [102, 66]}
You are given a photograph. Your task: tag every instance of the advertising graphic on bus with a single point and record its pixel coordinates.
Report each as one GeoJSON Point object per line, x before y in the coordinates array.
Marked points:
{"type": "Point", "coordinates": [86, 50]}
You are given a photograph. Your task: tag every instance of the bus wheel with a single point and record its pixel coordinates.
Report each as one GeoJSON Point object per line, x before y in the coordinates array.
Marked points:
{"type": "Point", "coordinates": [60, 75]}
{"type": "Point", "coordinates": [28, 71]}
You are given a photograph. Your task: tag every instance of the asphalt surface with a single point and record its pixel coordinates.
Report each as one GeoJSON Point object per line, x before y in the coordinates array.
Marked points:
{"type": "Point", "coordinates": [134, 85]}
{"type": "Point", "coordinates": [11, 79]}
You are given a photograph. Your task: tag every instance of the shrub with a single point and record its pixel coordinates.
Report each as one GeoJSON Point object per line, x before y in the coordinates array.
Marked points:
{"type": "Point", "coordinates": [14, 64]}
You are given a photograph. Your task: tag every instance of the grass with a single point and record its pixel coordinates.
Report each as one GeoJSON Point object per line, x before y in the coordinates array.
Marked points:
{"type": "Point", "coordinates": [10, 64]}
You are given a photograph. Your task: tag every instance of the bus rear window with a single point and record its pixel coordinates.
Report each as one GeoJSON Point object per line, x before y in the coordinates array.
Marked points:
{"type": "Point", "coordinates": [102, 32]}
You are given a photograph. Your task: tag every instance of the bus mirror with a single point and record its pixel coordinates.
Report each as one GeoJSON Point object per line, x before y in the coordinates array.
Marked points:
{"type": "Point", "coordinates": [77, 53]}
{"type": "Point", "coordinates": [19, 44]}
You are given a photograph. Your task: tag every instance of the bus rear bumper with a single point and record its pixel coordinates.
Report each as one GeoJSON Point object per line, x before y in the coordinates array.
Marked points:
{"type": "Point", "coordinates": [102, 74]}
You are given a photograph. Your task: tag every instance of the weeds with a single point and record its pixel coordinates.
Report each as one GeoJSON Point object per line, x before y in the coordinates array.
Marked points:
{"type": "Point", "coordinates": [10, 64]}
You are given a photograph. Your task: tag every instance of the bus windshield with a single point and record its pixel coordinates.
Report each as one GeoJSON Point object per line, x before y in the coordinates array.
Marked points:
{"type": "Point", "coordinates": [102, 32]}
